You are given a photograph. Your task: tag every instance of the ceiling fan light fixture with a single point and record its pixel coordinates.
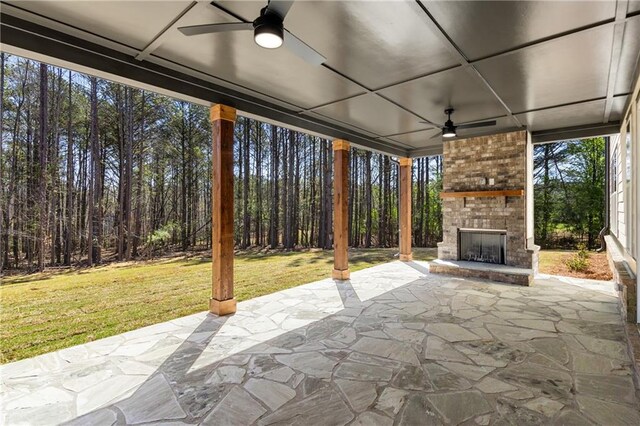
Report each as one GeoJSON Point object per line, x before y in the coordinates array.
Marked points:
{"type": "Point", "coordinates": [449, 130]}
{"type": "Point", "coordinates": [268, 31]}
{"type": "Point", "coordinates": [448, 133]}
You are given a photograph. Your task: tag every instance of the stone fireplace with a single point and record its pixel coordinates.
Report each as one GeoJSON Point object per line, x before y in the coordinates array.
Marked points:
{"type": "Point", "coordinates": [487, 202]}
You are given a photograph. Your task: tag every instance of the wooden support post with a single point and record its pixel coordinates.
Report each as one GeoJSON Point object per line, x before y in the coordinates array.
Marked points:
{"type": "Point", "coordinates": [405, 209]}
{"type": "Point", "coordinates": [222, 126]}
{"type": "Point", "coordinates": [340, 209]}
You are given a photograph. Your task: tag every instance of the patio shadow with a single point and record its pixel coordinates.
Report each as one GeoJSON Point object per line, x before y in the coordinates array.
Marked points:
{"type": "Point", "coordinates": [433, 350]}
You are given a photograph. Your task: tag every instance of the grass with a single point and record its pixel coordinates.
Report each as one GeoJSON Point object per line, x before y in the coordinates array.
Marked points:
{"type": "Point", "coordinates": [53, 310]}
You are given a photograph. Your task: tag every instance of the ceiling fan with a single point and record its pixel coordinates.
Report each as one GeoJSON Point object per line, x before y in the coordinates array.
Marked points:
{"type": "Point", "coordinates": [449, 129]}
{"type": "Point", "coordinates": [268, 31]}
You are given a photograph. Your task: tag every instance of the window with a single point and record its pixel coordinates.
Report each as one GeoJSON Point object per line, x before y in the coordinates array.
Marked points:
{"type": "Point", "coordinates": [613, 164]}
{"type": "Point", "coordinates": [629, 154]}
{"type": "Point", "coordinates": [613, 192]}
{"type": "Point", "coordinates": [629, 186]}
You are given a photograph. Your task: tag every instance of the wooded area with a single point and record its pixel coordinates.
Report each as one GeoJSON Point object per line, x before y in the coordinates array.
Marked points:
{"type": "Point", "coordinates": [569, 193]}
{"type": "Point", "coordinates": [94, 170]}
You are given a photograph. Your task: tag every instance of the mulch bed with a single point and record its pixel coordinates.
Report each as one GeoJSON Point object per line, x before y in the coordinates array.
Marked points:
{"type": "Point", "coordinates": [598, 267]}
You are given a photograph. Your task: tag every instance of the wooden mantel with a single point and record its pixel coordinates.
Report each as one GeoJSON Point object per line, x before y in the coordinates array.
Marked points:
{"type": "Point", "coordinates": [501, 193]}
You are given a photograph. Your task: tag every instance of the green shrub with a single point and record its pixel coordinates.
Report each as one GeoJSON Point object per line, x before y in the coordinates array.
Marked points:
{"type": "Point", "coordinates": [579, 262]}
{"type": "Point", "coordinates": [160, 238]}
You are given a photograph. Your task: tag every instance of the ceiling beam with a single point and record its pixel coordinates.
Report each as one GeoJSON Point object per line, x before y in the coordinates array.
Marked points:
{"type": "Point", "coordinates": [162, 35]}
{"type": "Point", "coordinates": [616, 53]}
{"type": "Point", "coordinates": [428, 151]}
{"type": "Point", "coordinates": [546, 108]}
{"type": "Point", "coordinates": [577, 132]}
{"type": "Point", "coordinates": [75, 51]}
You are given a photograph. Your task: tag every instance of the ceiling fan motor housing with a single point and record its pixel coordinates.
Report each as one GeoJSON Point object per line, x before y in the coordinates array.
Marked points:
{"type": "Point", "coordinates": [268, 27]}
{"type": "Point", "coordinates": [449, 129]}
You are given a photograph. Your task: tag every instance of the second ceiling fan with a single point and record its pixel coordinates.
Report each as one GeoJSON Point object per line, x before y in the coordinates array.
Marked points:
{"type": "Point", "coordinates": [268, 31]}
{"type": "Point", "coordinates": [449, 130]}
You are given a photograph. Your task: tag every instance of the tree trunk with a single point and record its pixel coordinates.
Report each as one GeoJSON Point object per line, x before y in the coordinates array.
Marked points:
{"type": "Point", "coordinates": [42, 168]}
{"type": "Point", "coordinates": [291, 192]}
{"type": "Point", "coordinates": [68, 236]}
{"type": "Point", "coordinates": [368, 201]}
{"type": "Point", "coordinates": [246, 219]}
{"type": "Point", "coordinates": [4, 232]}
{"type": "Point", "coordinates": [95, 219]}
{"type": "Point", "coordinates": [274, 219]}
{"type": "Point", "coordinates": [128, 171]}
{"type": "Point", "coordinates": [139, 182]}
{"type": "Point", "coordinates": [259, 227]}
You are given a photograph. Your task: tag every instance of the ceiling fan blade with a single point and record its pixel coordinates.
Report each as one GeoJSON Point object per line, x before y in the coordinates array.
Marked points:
{"type": "Point", "coordinates": [215, 28]}
{"type": "Point", "coordinates": [437, 135]}
{"type": "Point", "coordinates": [474, 125]}
{"type": "Point", "coordinates": [281, 7]}
{"type": "Point", "coordinates": [302, 49]}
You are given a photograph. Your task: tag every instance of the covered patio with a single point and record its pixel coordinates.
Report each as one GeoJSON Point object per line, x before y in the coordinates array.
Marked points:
{"type": "Point", "coordinates": [347, 73]}
{"type": "Point", "coordinates": [397, 343]}
{"type": "Point", "coordinates": [393, 345]}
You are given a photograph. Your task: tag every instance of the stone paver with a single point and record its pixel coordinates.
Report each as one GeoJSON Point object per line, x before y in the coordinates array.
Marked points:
{"type": "Point", "coordinates": [236, 408]}
{"type": "Point", "coordinates": [394, 345]}
{"type": "Point", "coordinates": [457, 407]}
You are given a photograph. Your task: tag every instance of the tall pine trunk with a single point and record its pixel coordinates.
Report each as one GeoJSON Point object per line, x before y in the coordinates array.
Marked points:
{"type": "Point", "coordinates": [42, 164]}
{"type": "Point", "coordinates": [68, 240]}
{"type": "Point", "coordinates": [94, 214]}
{"type": "Point", "coordinates": [139, 182]}
{"type": "Point", "coordinates": [246, 219]}
{"type": "Point", "coordinates": [274, 218]}
{"type": "Point", "coordinates": [4, 232]}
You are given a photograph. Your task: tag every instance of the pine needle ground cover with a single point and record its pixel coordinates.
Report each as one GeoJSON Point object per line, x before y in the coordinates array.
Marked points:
{"type": "Point", "coordinates": [554, 262]}
{"type": "Point", "coordinates": [53, 310]}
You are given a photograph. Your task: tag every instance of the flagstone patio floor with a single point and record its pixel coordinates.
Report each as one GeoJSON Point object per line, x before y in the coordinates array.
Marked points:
{"type": "Point", "coordinates": [394, 345]}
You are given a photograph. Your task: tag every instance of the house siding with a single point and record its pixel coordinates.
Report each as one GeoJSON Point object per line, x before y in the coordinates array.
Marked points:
{"type": "Point", "coordinates": [624, 222]}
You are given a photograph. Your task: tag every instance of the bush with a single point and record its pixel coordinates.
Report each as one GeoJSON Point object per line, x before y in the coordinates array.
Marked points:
{"type": "Point", "coordinates": [160, 238]}
{"type": "Point", "coordinates": [579, 262]}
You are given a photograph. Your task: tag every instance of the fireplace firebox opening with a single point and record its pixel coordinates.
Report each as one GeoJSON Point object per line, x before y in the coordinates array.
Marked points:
{"type": "Point", "coordinates": [482, 245]}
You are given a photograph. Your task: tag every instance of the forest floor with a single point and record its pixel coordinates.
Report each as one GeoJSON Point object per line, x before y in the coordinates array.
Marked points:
{"type": "Point", "coordinates": [56, 309]}
{"type": "Point", "coordinates": [553, 262]}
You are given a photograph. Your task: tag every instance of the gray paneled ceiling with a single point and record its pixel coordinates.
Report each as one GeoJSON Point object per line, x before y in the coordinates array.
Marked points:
{"type": "Point", "coordinates": [617, 107]}
{"type": "Point", "coordinates": [629, 55]}
{"type": "Point", "coordinates": [485, 28]}
{"type": "Point", "coordinates": [560, 71]}
{"type": "Point", "coordinates": [371, 112]}
{"type": "Point", "coordinates": [458, 87]}
{"type": "Point", "coordinates": [132, 23]}
{"type": "Point", "coordinates": [390, 64]}
{"type": "Point", "coordinates": [360, 40]}
{"type": "Point", "coordinates": [564, 116]}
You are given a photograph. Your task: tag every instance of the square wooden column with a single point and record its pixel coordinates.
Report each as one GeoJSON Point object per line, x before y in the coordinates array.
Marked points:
{"type": "Point", "coordinates": [340, 209]}
{"type": "Point", "coordinates": [405, 209]}
{"type": "Point", "coordinates": [222, 125]}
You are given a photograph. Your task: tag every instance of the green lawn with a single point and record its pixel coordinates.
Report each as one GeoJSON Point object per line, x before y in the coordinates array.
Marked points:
{"type": "Point", "coordinates": [44, 312]}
